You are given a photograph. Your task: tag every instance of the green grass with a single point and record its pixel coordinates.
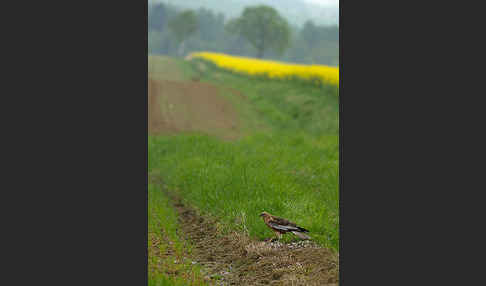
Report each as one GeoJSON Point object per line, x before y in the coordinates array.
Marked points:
{"type": "Point", "coordinates": [286, 176]}
{"type": "Point", "coordinates": [286, 106]}
{"type": "Point", "coordinates": [286, 164]}
{"type": "Point", "coordinates": [163, 238]}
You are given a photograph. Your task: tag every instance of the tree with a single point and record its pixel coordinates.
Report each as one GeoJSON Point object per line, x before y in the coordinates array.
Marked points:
{"type": "Point", "coordinates": [157, 17]}
{"type": "Point", "coordinates": [310, 33]}
{"type": "Point", "coordinates": [182, 27]}
{"type": "Point", "coordinates": [264, 28]}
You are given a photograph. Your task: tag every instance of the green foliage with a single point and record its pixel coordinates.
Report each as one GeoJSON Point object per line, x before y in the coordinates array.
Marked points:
{"type": "Point", "coordinates": [158, 17]}
{"type": "Point", "coordinates": [309, 33]}
{"type": "Point", "coordinates": [211, 35]}
{"type": "Point", "coordinates": [184, 25]}
{"type": "Point", "coordinates": [264, 28]}
{"type": "Point", "coordinates": [296, 11]}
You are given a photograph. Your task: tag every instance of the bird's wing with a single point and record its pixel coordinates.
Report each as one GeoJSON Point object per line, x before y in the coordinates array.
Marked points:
{"type": "Point", "coordinates": [301, 235]}
{"type": "Point", "coordinates": [278, 226]}
{"type": "Point", "coordinates": [287, 224]}
{"type": "Point", "coordinates": [282, 221]}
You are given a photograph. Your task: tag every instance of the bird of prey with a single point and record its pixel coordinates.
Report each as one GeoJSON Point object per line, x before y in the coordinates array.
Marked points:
{"type": "Point", "coordinates": [280, 226]}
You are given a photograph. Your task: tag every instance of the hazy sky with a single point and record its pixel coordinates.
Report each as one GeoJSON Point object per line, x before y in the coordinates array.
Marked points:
{"type": "Point", "coordinates": [325, 2]}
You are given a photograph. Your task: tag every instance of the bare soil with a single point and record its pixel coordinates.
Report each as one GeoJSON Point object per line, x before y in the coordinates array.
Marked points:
{"type": "Point", "coordinates": [235, 259]}
{"type": "Point", "coordinates": [180, 106]}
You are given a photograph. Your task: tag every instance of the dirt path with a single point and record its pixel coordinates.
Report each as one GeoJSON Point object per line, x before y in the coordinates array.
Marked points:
{"type": "Point", "coordinates": [180, 105]}
{"type": "Point", "coordinates": [235, 259]}
{"type": "Point", "coordinates": [176, 106]}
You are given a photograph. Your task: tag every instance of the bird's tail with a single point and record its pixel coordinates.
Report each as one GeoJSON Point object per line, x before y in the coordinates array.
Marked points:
{"type": "Point", "coordinates": [301, 229]}
{"type": "Point", "coordinates": [301, 235]}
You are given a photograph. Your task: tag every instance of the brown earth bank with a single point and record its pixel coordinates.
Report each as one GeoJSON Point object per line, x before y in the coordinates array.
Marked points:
{"type": "Point", "coordinates": [178, 106]}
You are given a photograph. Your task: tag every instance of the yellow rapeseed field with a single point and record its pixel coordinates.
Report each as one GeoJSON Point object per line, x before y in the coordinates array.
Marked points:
{"type": "Point", "coordinates": [273, 69]}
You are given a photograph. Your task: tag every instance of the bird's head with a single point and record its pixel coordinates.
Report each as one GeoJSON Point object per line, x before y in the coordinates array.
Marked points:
{"type": "Point", "coordinates": [264, 214]}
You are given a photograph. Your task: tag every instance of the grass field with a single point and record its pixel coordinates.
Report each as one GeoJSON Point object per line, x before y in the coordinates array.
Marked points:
{"type": "Point", "coordinates": [236, 181]}
{"type": "Point", "coordinates": [167, 251]}
{"type": "Point", "coordinates": [285, 160]}
{"type": "Point", "coordinates": [275, 105]}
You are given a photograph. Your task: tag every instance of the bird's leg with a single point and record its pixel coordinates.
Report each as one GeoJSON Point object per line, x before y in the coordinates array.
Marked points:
{"type": "Point", "coordinates": [271, 239]}
{"type": "Point", "coordinates": [278, 234]}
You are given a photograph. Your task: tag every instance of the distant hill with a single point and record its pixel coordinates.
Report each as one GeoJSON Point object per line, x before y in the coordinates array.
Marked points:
{"type": "Point", "coordinates": [295, 11]}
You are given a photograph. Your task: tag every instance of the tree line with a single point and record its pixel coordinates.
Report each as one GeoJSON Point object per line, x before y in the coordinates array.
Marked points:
{"type": "Point", "coordinates": [260, 32]}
